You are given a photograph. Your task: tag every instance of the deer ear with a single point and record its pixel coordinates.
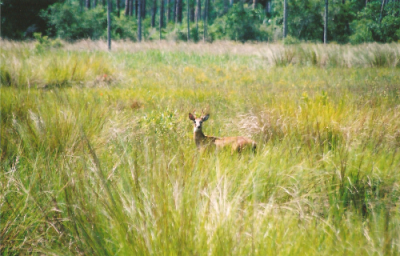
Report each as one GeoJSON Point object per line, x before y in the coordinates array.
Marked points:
{"type": "Point", "coordinates": [205, 118]}
{"type": "Point", "coordinates": [191, 117]}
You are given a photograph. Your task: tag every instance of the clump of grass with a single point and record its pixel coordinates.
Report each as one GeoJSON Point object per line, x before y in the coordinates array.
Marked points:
{"type": "Point", "coordinates": [43, 43]}
{"type": "Point", "coordinates": [285, 57]}
{"type": "Point", "coordinates": [267, 125]}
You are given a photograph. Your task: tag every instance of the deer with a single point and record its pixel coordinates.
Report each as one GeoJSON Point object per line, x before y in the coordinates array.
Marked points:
{"type": "Point", "coordinates": [202, 141]}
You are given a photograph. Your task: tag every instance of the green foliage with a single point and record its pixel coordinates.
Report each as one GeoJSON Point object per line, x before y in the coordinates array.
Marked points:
{"type": "Point", "coordinates": [20, 19]}
{"type": "Point", "coordinates": [179, 32]}
{"type": "Point", "coordinates": [341, 16]}
{"type": "Point", "coordinates": [44, 43]}
{"type": "Point", "coordinates": [362, 32]}
{"type": "Point", "coordinates": [289, 40]}
{"type": "Point", "coordinates": [372, 26]}
{"type": "Point", "coordinates": [351, 21]}
{"type": "Point", "coordinates": [5, 77]}
{"type": "Point", "coordinates": [390, 28]}
{"type": "Point", "coordinates": [305, 20]}
{"type": "Point", "coordinates": [241, 23]}
{"type": "Point", "coordinates": [67, 21]}
{"type": "Point", "coordinates": [123, 28]}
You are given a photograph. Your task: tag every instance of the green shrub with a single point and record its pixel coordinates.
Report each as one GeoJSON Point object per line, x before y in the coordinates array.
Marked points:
{"type": "Point", "coordinates": [67, 21]}
{"type": "Point", "coordinates": [123, 28]}
{"type": "Point", "coordinates": [5, 76]}
{"type": "Point", "coordinates": [290, 40]}
{"type": "Point", "coordinates": [362, 32]}
{"type": "Point", "coordinates": [241, 23]}
{"type": "Point", "coordinates": [44, 43]}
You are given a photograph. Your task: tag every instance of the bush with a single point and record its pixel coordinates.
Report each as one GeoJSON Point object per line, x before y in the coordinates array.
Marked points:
{"type": "Point", "coordinates": [372, 26]}
{"type": "Point", "coordinates": [290, 40]}
{"type": "Point", "coordinates": [5, 76]}
{"type": "Point", "coordinates": [123, 28]}
{"type": "Point", "coordinates": [44, 43]}
{"type": "Point", "coordinates": [339, 30]}
{"type": "Point", "coordinates": [179, 32]}
{"type": "Point", "coordinates": [241, 23]}
{"type": "Point", "coordinates": [67, 21]}
{"type": "Point", "coordinates": [362, 33]}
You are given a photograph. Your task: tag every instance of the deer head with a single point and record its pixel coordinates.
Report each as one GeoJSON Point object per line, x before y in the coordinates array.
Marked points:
{"type": "Point", "coordinates": [197, 122]}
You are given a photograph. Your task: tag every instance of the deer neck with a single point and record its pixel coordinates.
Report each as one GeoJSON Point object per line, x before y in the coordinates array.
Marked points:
{"type": "Point", "coordinates": [201, 139]}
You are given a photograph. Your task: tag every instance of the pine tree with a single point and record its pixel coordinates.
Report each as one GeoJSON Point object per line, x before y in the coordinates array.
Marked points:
{"type": "Point", "coordinates": [161, 17]}
{"type": "Point", "coordinates": [153, 14]}
{"type": "Point", "coordinates": [139, 14]}
{"type": "Point", "coordinates": [117, 5]}
{"type": "Point", "coordinates": [127, 6]}
{"type": "Point", "coordinates": [326, 23]}
{"type": "Point", "coordinates": [109, 24]}
{"type": "Point", "coordinates": [188, 20]}
{"type": "Point", "coordinates": [285, 18]}
{"type": "Point", "coordinates": [168, 7]}
{"type": "Point", "coordinates": [178, 11]}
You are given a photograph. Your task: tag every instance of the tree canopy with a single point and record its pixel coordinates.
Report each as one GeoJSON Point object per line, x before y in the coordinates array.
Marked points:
{"type": "Point", "coordinates": [349, 21]}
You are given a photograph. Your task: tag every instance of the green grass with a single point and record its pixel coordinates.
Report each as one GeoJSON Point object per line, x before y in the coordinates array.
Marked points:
{"type": "Point", "coordinates": [107, 165]}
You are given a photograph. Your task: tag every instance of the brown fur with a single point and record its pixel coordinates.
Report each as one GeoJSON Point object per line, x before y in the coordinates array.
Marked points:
{"type": "Point", "coordinates": [201, 140]}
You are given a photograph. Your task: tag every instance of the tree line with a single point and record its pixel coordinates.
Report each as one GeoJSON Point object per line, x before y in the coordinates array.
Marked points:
{"type": "Point", "coordinates": [341, 21]}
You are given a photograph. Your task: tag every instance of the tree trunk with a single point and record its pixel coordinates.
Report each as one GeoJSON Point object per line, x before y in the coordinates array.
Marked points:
{"type": "Point", "coordinates": [153, 14]}
{"type": "Point", "coordinates": [198, 10]}
{"type": "Point", "coordinates": [197, 15]}
{"type": "Point", "coordinates": [161, 17]}
{"type": "Point", "coordinates": [254, 4]}
{"type": "Point", "coordinates": [178, 11]}
{"type": "Point", "coordinates": [326, 23]}
{"type": "Point", "coordinates": [285, 15]}
{"type": "Point", "coordinates": [205, 20]}
{"type": "Point", "coordinates": [118, 12]}
{"type": "Point", "coordinates": [174, 11]}
{"type": "Point", "coordinates": [230, 2]}
{"type": "Point", "coordinates": [109, 24]}
{"type": "Point", "coordinates": [168, 14]}
{"type": "Point", "coordinates": [139, 14]}
{"type": "Point", "coordinates": [192, 8]}
{"type": "Point", "coordinates": [136, 8]}
{"type": "Point", "coordinates": [188, 20]}
{"type": "Point", "coordinates": [143, 9]}
{"type": "Point", "coordinates": [94, 3]}
{"type": "Point", "coordinates": [204, 11]}
{"type": "Point", "coordinates": [127, 7]}
{"type": "Point", "coordinates": [382, 8]}
{"type": "Point", "coordinates": [87, 4]}
{"type": "Point", "coordinates": [268, 7]}
{"type": "Point", "coordinates": [226, 6]}
{"type": "Point", "coordinates": [130, 11]}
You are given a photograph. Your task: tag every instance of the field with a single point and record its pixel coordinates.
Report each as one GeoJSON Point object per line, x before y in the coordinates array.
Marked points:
{"type": "Point", "coordinates": [98, 158]}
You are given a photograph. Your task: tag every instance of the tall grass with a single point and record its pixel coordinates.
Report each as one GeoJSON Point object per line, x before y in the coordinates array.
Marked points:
{"type": "Point", "coordinates": [97, 154]}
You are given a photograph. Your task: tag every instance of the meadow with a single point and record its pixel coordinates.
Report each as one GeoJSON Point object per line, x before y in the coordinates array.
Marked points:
{"type": "Point", "coordinates": [98, 158]}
